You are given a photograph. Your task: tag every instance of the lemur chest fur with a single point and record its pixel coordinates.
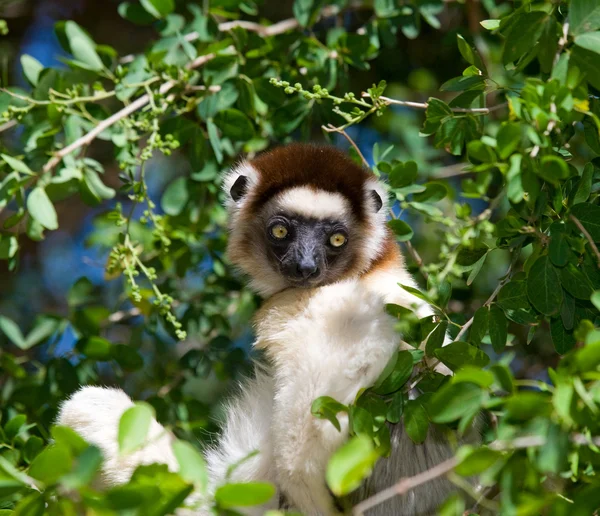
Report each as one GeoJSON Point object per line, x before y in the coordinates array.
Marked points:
{"type": "Point", "coordinates": [338, 336]}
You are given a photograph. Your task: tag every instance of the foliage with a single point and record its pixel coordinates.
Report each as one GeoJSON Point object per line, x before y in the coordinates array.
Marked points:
{"type": "Point", "coordinates": [522, 120]}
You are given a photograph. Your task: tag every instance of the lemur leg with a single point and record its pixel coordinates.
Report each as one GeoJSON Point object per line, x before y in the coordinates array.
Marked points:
{"type": "Point", "coordinates": [339, 343]}
{"type": "Point", "coordinates": [247, 429]}
{"type": "Point", "coordinates": [94, 413]}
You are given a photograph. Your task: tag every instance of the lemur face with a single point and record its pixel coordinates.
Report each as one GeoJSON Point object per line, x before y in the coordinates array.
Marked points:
{"type": "Point", "coordinates": [303, 216]}
{"type": "Point", "coordinates": [306, 251]}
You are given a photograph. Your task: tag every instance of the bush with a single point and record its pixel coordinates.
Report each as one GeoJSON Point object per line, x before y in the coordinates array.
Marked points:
{"type": "Point", "coordinates": [496, 206]}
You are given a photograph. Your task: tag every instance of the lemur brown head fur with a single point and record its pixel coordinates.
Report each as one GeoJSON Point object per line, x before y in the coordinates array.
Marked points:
{"type": "Point", "coordinates": [304, 215]}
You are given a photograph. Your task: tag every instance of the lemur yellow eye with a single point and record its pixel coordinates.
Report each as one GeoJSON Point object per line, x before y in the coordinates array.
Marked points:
{"type": "Point", "coordinates": [279, 231]}
{"type": "Point", "coordinates": [337, 240]}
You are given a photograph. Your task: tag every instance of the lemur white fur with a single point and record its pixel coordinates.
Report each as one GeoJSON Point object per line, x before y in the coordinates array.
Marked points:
{"type": "Point", "coordinates": [331, 340]}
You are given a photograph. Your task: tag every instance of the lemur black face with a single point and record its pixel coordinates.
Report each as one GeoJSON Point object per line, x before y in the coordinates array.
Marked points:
{"type": "Point", "coordinates": [307, 252]}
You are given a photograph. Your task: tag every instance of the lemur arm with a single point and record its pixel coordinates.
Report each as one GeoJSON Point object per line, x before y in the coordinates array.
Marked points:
{"type": "Point", "coordinates": [94, 413]}
{"type": "Point", "coordinates": [336, 344]}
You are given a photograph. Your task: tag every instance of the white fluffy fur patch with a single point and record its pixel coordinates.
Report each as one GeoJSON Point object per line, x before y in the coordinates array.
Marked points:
{"type": "Point", "coordinates": [312, 203]}
{"type": "Point", "coordinates": [94, 413]}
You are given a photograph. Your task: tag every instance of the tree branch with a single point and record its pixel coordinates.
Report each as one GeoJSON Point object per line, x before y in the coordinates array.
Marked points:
{"type": "Point", "coordinates": [263, 30]}
{"type": "Point", "coordinates": [405, 485]}
{"type": "Point", "coordinates": [423, 105]}
{"type": "Point", "coordinates": [330, 128]}
{"type": "Point", "coordinates": [587, 236]}
{"type": "Point", "coordinates": [7, 125]}
{"type": "Point", "coordinates": [139, 103]}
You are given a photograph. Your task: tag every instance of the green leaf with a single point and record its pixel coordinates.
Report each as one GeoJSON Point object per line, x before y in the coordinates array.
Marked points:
{"type": "Point", "coordinates": [133, 427]}
{"type": "Point", "coordinates": [458, 354]}
{"type": "Point", "coordinates": [396, 408]}
{"type": "Point", "coordinates": [306, 11]}
{"type": "Point", "coordinates": [523, 34]}
{"type": "Point", "coordinates": [584, 16]}
{"type": "Point", "coordinates": [325, 407]}
{"type": "Point", "coordinates": [234, 124]}
{"type": "Point", "coordinates": [526, 405]}
{"type": "Point", "coordinates": [398, 376]}
{"type": "Point", "coordinates": [51, 464]}
{"type": "Point", "coordinates": [584, 185]}
{"type": "Point", "coordinates": [41, 209]}
{"type": "Point", "coordinates": [175, 197]}
{"type": "Point", "coordinates": [17, 164]}
{"type": "Point", "coordinates": [244, 494]}
{"type": "Point", "coordinates": [86, 467]}
{"type": "Point", "coordinates": [575, 282]}
{"type": "Point", "coordinates": [96, 187]}
{"type": "Point", "coordinates": [589, 41]}
{"type": "Point", "coordinates": [559, 249]}
{"type": "Point", "coordinates": [96, 348]}
{"type": "Point", "coordinates": [135, 13]}
{"type": "Point", "coordinates": [401, 229]}
{"type": "Point", "coordinates": [9, 245]}
{"type": "Point", "coordinates": [455, 400]}
{"type": "Point", "coordinates": [498, 326]}
{"type": "Point", "coordinates": [158, 8]}
{"type": "Point", "coordinates": [14, 425]}
{"type": "Point", "coordinates": [490, 24]}
{"type": "Point", "coordinates": [469, 256]}
{"type": "Point", "coordinates": [192, 466]}
{"type": "Point", "coordinates": [350, 464]}
{"type": "Point", "coordinates": [588, 62]}
{"type": "Point", "coordinates": [416, 421]}
{"type": "Point", "coordinates": [12, 332]}
{"type": "Point", "coordinates": [463, 83]}
{"type": "Point", "coordinates": [563, 340]}
{"type": "Point", "coordinates": [215, 141]}
{"type": "Point", "coordinates": [436, 338]}
{"type": "Point", "coordinates": [127, 357]}
{"type": "Point", "coordinates": [508, 139]}
{"type": "Point", "coordinates": [480, 325]}
{"type": "Point", "coordinates": [474, 461]}
{"type": "Point", "coordinates": [474, 375]}
{"type": "Point", "coordinates": [31, 68]}
{"type": "Point", "coordinates": [595, 299]}
{"type": "Point", "coordinates": [552, 457]}
{"type": "Point", "coordinates": [543, 286]}
{"type": "Point", "coordinates": [470, 55]}
{"type": "Point", "coordinates": [82, 47]}
{"type": "Point", "coordinates": [403, 174]}
{"type": "Point", "coordinates": [553, 169]}
{"type": "Point", "coordinates": [589, 216]}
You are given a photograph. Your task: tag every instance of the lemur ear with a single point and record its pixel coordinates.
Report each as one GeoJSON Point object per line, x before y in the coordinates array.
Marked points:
{"type": "Point", "coordinates": [376, 200]}
{"type": "Point", "coordinates": [239, 188]}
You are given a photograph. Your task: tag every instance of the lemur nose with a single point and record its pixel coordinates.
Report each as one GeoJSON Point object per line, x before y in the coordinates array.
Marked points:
{"type": "Point", "coordinates": [307, 269]}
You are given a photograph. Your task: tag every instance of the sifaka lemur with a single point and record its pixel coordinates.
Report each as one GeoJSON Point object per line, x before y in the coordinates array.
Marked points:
{"type": "Point", "coordinates": [308, 227]}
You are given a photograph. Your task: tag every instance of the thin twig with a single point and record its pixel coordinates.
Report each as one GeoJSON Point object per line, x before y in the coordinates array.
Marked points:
{"type": "Point", "coordinates": [124, 314]}
{"type": "Point", "coordinates": [490, 299]}
{"type": "Point", "coordinates": [417, 258]}
{"type": "Point", "coordinates": [561, 43]}
{"type": "Point", "coordinates": [330, 128]}
{"type": "Point", "coordinates": [587, 236]}
{"type": "Point", "coordinates": [457, 169]}
{"type": "Point", "coordinates": [8, 125]}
